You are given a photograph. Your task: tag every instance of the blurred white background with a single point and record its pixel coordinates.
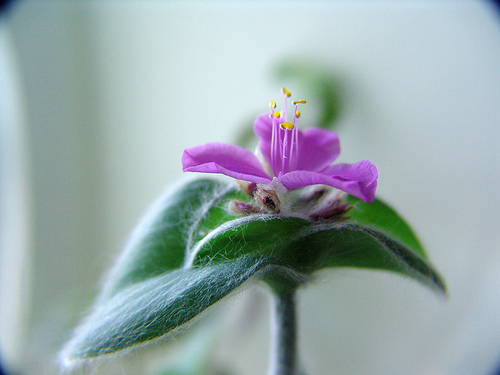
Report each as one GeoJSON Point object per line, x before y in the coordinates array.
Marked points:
{"type": "Point", "coordinates": [98, 100]}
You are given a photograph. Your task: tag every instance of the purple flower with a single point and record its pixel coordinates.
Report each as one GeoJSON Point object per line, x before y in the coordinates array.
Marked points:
{"type": "Point", "coordinates": [294, 158]}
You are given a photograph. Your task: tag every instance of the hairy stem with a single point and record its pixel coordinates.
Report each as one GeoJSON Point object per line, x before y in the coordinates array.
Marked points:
{"type": "Point", "coordinates": [283, 331]}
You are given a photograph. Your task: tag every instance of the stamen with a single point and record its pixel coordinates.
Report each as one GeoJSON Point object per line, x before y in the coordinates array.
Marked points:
{"type": "Point", "coordinates": [288, 144]}
{"type": "Point", "coordinates": [273, 134]}
{"type": "Point", "coordinates": [287, 126]}
{"type": "Point", "coordinates": [294, 147]}
{"type": "Point", "coordinates": [285, 160]}
{"type": "Point", "coordinates": [287, 95]}
{"type": "Point", "coordinates": [286, 92]}
{"type": "Point", "coordinates": [284, 136]}
{"type": "Point", "coordinates": [297, 112]}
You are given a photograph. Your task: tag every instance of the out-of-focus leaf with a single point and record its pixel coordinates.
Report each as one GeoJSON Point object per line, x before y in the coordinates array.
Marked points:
{"type": "Point", "coordinates": [246, 137]}
{"type": "Point", "coordinates": [324, 93]}
{"type": "Point", "coordinates": [320, 82]}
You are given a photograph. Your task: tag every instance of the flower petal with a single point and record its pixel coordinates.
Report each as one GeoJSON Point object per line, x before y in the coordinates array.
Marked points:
{"type": "Point", "coordinates": [230, 160]}
{"type": "Point", "coordinates": [318, 148]}
{"type": "Point", "coordinates": [262, 127]}
{"type": "Point", "coordinates": [359, 180]}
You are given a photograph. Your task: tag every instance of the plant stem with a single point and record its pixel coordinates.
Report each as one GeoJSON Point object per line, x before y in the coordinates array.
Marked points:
{"type": "Point", "coordinates": [283, 331]}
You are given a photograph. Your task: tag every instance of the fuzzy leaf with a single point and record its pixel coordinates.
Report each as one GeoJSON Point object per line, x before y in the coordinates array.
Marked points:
{"type": "Point", "coordinates": [190, 251]}
{"type": "Point", "coordinates": [169, 229]}
{"type": "Point", "coordinates": [149, 309]}
{"type": "Point", "coordinates": [384, 243]}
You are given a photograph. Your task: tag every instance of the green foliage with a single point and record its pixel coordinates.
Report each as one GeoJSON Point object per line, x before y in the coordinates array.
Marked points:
{"type": "Point", "coordinates": [191, 251]}
{"type": "Point", "coordinates": [152, 307]}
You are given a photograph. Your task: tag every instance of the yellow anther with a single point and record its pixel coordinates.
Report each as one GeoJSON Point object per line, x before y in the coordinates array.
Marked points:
{"type": "Point", "coordinates": [272, 105]}
{"type": "Point", "coordinates": [287, 126]}
{"type": "Point", "coordinates": [286, 92]}
{"type": "Point", "coordinates": [297, 113]}
{"type": "Point", "coordinates": [301, 101]}
{"type": "Point", "coordinates": [277, 114]}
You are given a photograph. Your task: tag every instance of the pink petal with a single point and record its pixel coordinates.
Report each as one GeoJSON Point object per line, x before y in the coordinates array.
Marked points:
{"type": "Point", "coordinates": [230, 160]}
{"type": "Point", "coordinates": [263, 129]}
{"type": "Point", "coordinates": [318, 148]}
{"type": "Point", "coordinates": [359, 180]}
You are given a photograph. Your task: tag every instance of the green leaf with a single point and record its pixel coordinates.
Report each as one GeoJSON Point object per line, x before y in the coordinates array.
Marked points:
{"type": "Point", "coordinates": [190, 251]}
{"type": "Point", "coordinates": [385, 243]}
{"type": "Point", "coordinates": [149, 309]}
{"type": "Point", "coordinates": [378, 214]}
{"type": "Point", "coordinates": [171, 227]}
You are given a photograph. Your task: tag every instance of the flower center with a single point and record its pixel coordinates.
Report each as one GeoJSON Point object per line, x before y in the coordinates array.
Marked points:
{"type": "Point", "coordinates": [284, 137]}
